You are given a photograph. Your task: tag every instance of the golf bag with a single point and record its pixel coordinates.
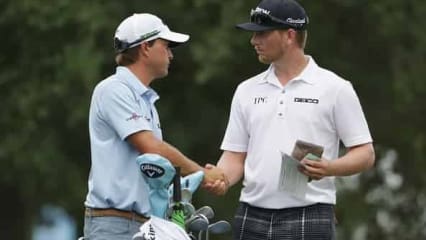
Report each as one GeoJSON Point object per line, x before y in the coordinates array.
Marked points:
{"type": "Point", "coordinates": [158, 172]}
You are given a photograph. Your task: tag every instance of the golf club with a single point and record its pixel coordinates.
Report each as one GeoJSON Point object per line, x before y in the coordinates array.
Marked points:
{"type": "Point", "coordinates": [197, 223]}
{"type": "Point", "coordinates": [186, 195]}
{"type": "Point", "coordinates": [218, 227]}
{"type": "Point", "coordinates": [188, 208]}
{"type": "Point", "coordinates": [206, 211]}
{"type": "Point", "coordinates": [177, 215]}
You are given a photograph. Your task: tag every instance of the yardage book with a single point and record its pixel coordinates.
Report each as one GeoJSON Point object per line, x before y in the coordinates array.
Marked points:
{"type": "Point", "coordinates": [291, 179]}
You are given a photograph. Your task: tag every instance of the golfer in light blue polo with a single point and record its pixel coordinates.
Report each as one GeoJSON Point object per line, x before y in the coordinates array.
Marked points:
{"type": "Point", "coordinates": [124, 123]}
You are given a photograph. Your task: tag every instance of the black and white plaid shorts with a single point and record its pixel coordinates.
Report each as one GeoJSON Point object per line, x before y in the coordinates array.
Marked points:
{"type": "Point", "coordinates": [315, 222]}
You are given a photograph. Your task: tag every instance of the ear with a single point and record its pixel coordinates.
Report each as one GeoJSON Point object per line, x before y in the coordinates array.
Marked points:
{"type": "Point", "coordinates": [144, 49]}
{"type": "Point", "coordinates": [291, 35]}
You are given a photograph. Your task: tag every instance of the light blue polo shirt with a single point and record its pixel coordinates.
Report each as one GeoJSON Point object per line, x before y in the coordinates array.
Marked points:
{"type": "Point", "coordinates": [121, 105]}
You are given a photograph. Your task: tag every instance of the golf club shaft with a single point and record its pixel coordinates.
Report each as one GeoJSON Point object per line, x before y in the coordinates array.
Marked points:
{"type": "Point", "coordinates": [177, 197]}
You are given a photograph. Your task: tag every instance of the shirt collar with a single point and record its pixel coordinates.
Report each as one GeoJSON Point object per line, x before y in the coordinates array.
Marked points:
{"type": "Point", "coordinates": [141, 90]}
{"type": "Point", "coordinates": [307, 75]}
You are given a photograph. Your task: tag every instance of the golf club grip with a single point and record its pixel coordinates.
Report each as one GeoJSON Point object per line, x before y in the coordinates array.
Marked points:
{"type": "Point", "coordinates": [177, 195]}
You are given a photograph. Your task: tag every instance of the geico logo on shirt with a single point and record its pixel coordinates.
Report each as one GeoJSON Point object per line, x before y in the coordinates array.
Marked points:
{"type": "Point", "coordinates": [306, 100]}
{"type": "Point", "coordinates": [152, 170]}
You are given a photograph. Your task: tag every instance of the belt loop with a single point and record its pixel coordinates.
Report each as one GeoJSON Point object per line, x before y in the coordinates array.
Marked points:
{"type": "Point", "coordinates": [247, 207]}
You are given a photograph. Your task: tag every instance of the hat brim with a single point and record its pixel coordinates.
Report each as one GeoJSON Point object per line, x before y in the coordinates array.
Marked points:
{"type": "Point", "coordinates": [174, 38]}
{"type": "Point", "coordinates": [253, 27]}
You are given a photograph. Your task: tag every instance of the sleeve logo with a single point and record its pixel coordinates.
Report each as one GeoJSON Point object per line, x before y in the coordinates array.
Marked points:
{"type": "Point", "coordinates": [133, 117]}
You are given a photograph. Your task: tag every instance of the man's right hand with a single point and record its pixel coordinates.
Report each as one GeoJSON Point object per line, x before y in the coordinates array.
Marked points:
{"type": "Point", "coordinates": [215, 180]}
{"type": "Point", "coordinates": [212, 174]}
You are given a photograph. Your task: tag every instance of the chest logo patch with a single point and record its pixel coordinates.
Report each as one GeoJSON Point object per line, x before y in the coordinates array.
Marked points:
{"type": "Point", "coordinates": [259, 100]}
{"type": "Point", "coordinates": [306, 100]}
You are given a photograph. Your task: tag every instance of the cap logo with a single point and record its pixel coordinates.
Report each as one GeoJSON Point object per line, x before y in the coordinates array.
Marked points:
{"type": "Point", "coordinates": [121, 45]}
{"type": "Point", "coordinates": [148, 35]}
{"type": "Point", "coordinates": [260, 10]}
{"type": "Point", "coordinates": [296, 21]}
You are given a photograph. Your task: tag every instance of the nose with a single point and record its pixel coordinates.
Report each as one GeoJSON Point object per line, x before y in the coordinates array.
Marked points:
{"type": "Point", "coordinates": [254, 39]}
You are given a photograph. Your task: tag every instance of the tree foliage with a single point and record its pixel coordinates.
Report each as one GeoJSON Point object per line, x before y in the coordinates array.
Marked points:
{"type": "Point", "coordinates": [53, 54]}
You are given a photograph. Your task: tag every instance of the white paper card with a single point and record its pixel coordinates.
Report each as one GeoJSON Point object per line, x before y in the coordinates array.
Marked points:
{"type": "Point", "coordinates": [291, 179]}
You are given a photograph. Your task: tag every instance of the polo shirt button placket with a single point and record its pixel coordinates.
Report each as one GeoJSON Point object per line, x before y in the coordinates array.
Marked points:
{"type": "Point", "coordinates": [281, 105]}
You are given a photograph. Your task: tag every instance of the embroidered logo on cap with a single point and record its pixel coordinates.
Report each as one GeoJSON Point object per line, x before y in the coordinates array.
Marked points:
{"type": "Point", "coordinates": [296, 21]}
{"type": "Point", "coordinates": [260, 10]}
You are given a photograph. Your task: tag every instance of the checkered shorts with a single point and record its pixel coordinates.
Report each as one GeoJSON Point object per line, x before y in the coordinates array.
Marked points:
{"type": "Point", "coordinates": [315, 222]}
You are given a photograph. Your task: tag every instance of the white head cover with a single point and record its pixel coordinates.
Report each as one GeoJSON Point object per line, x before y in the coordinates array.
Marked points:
{"type": "Point", "coordinates": [160, 229]}
{"type": "Point", "coordinates": [144, 27]}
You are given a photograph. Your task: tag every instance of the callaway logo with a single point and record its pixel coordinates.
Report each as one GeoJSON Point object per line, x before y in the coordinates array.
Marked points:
{"type": "Point", "coordinates": [306, 100]}
{"type": "Point", "coordinates": [298, 21]}
{"type": "Point", "coordinates": [152, 170]}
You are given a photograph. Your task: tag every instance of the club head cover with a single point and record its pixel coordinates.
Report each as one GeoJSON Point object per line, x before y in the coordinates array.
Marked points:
{"type": "Point", "coordinates": [158, 172]}
{"type": "Point", "coordinates": [190, 182]}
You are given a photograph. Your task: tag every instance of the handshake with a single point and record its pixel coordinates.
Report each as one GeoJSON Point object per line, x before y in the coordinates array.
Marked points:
{"type": "Point", "coordinates": [215, 180]}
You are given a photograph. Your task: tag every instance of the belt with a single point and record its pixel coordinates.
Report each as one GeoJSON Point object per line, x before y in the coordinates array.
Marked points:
{"type": "Point", "coordinates": [112, 212]}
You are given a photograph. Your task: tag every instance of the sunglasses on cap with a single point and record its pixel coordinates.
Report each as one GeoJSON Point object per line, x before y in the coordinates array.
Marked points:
{"type": "Point", "coordinates": [121, 46]}
{"type": "Point", "coordinates": [265, 19]}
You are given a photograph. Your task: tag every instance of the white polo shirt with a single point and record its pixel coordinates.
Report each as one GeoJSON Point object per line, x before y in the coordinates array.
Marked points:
{"type": "Point", "coordinates": [121, 105]}
{"type": "Point", "coordinates": [266, 118]}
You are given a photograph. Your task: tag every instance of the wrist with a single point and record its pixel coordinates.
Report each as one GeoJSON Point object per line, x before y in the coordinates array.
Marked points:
{"type": "Point", "coordinates": [331, 168]}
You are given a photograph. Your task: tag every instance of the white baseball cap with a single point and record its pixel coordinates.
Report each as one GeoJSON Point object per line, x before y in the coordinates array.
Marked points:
{"type": "Point", "coordinates": [144, 27]}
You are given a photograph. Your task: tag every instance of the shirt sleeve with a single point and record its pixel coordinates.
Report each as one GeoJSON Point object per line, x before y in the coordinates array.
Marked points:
{"type": "Point", "coordinates": [236, 135]}
{"type": "Point", "coordinates": [352, 127]}
{"type": "Point", "coordinates": [120, 108]}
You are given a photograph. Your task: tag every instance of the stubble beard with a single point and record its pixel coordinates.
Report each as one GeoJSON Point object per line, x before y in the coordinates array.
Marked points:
{"type": "Point", "coordinates": [264, 60]}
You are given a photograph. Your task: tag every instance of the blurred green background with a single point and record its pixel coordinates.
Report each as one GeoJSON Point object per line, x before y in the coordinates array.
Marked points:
{"type": "Point", "coordinates": [54, 52]}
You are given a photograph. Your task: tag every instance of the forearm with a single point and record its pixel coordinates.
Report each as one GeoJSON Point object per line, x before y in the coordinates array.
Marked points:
{"type": "Point", "coordinates": [178, 159]}
{"type": "Point", "coordinates": [232, 164]}
{"type": "Point", "coordinates": [356, 160]}
{"type": "Point", "coordinates": [145, 142]}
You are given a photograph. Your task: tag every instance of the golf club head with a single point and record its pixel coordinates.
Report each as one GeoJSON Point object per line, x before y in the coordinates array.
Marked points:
{"type": "Point", "coordinates": [219, 227]}
{"type": "Point", "coordinates": [189, 209]}
{"type": "Point", "coordinates": [197, 223]}
{"type": "Point", "coordinates": [186, 195]}
{"type": "Point", "coordinates": [206, 211]}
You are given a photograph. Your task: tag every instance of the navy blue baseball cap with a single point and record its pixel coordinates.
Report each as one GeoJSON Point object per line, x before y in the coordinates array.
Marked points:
{"type": "Point", "coordinates": [276, 14]}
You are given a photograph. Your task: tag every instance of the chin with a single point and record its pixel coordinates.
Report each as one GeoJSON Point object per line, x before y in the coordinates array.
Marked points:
{"type": "Point", "coordinates": [163, 74]}
{"type": "Point", "coordinates": [264, 60]}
